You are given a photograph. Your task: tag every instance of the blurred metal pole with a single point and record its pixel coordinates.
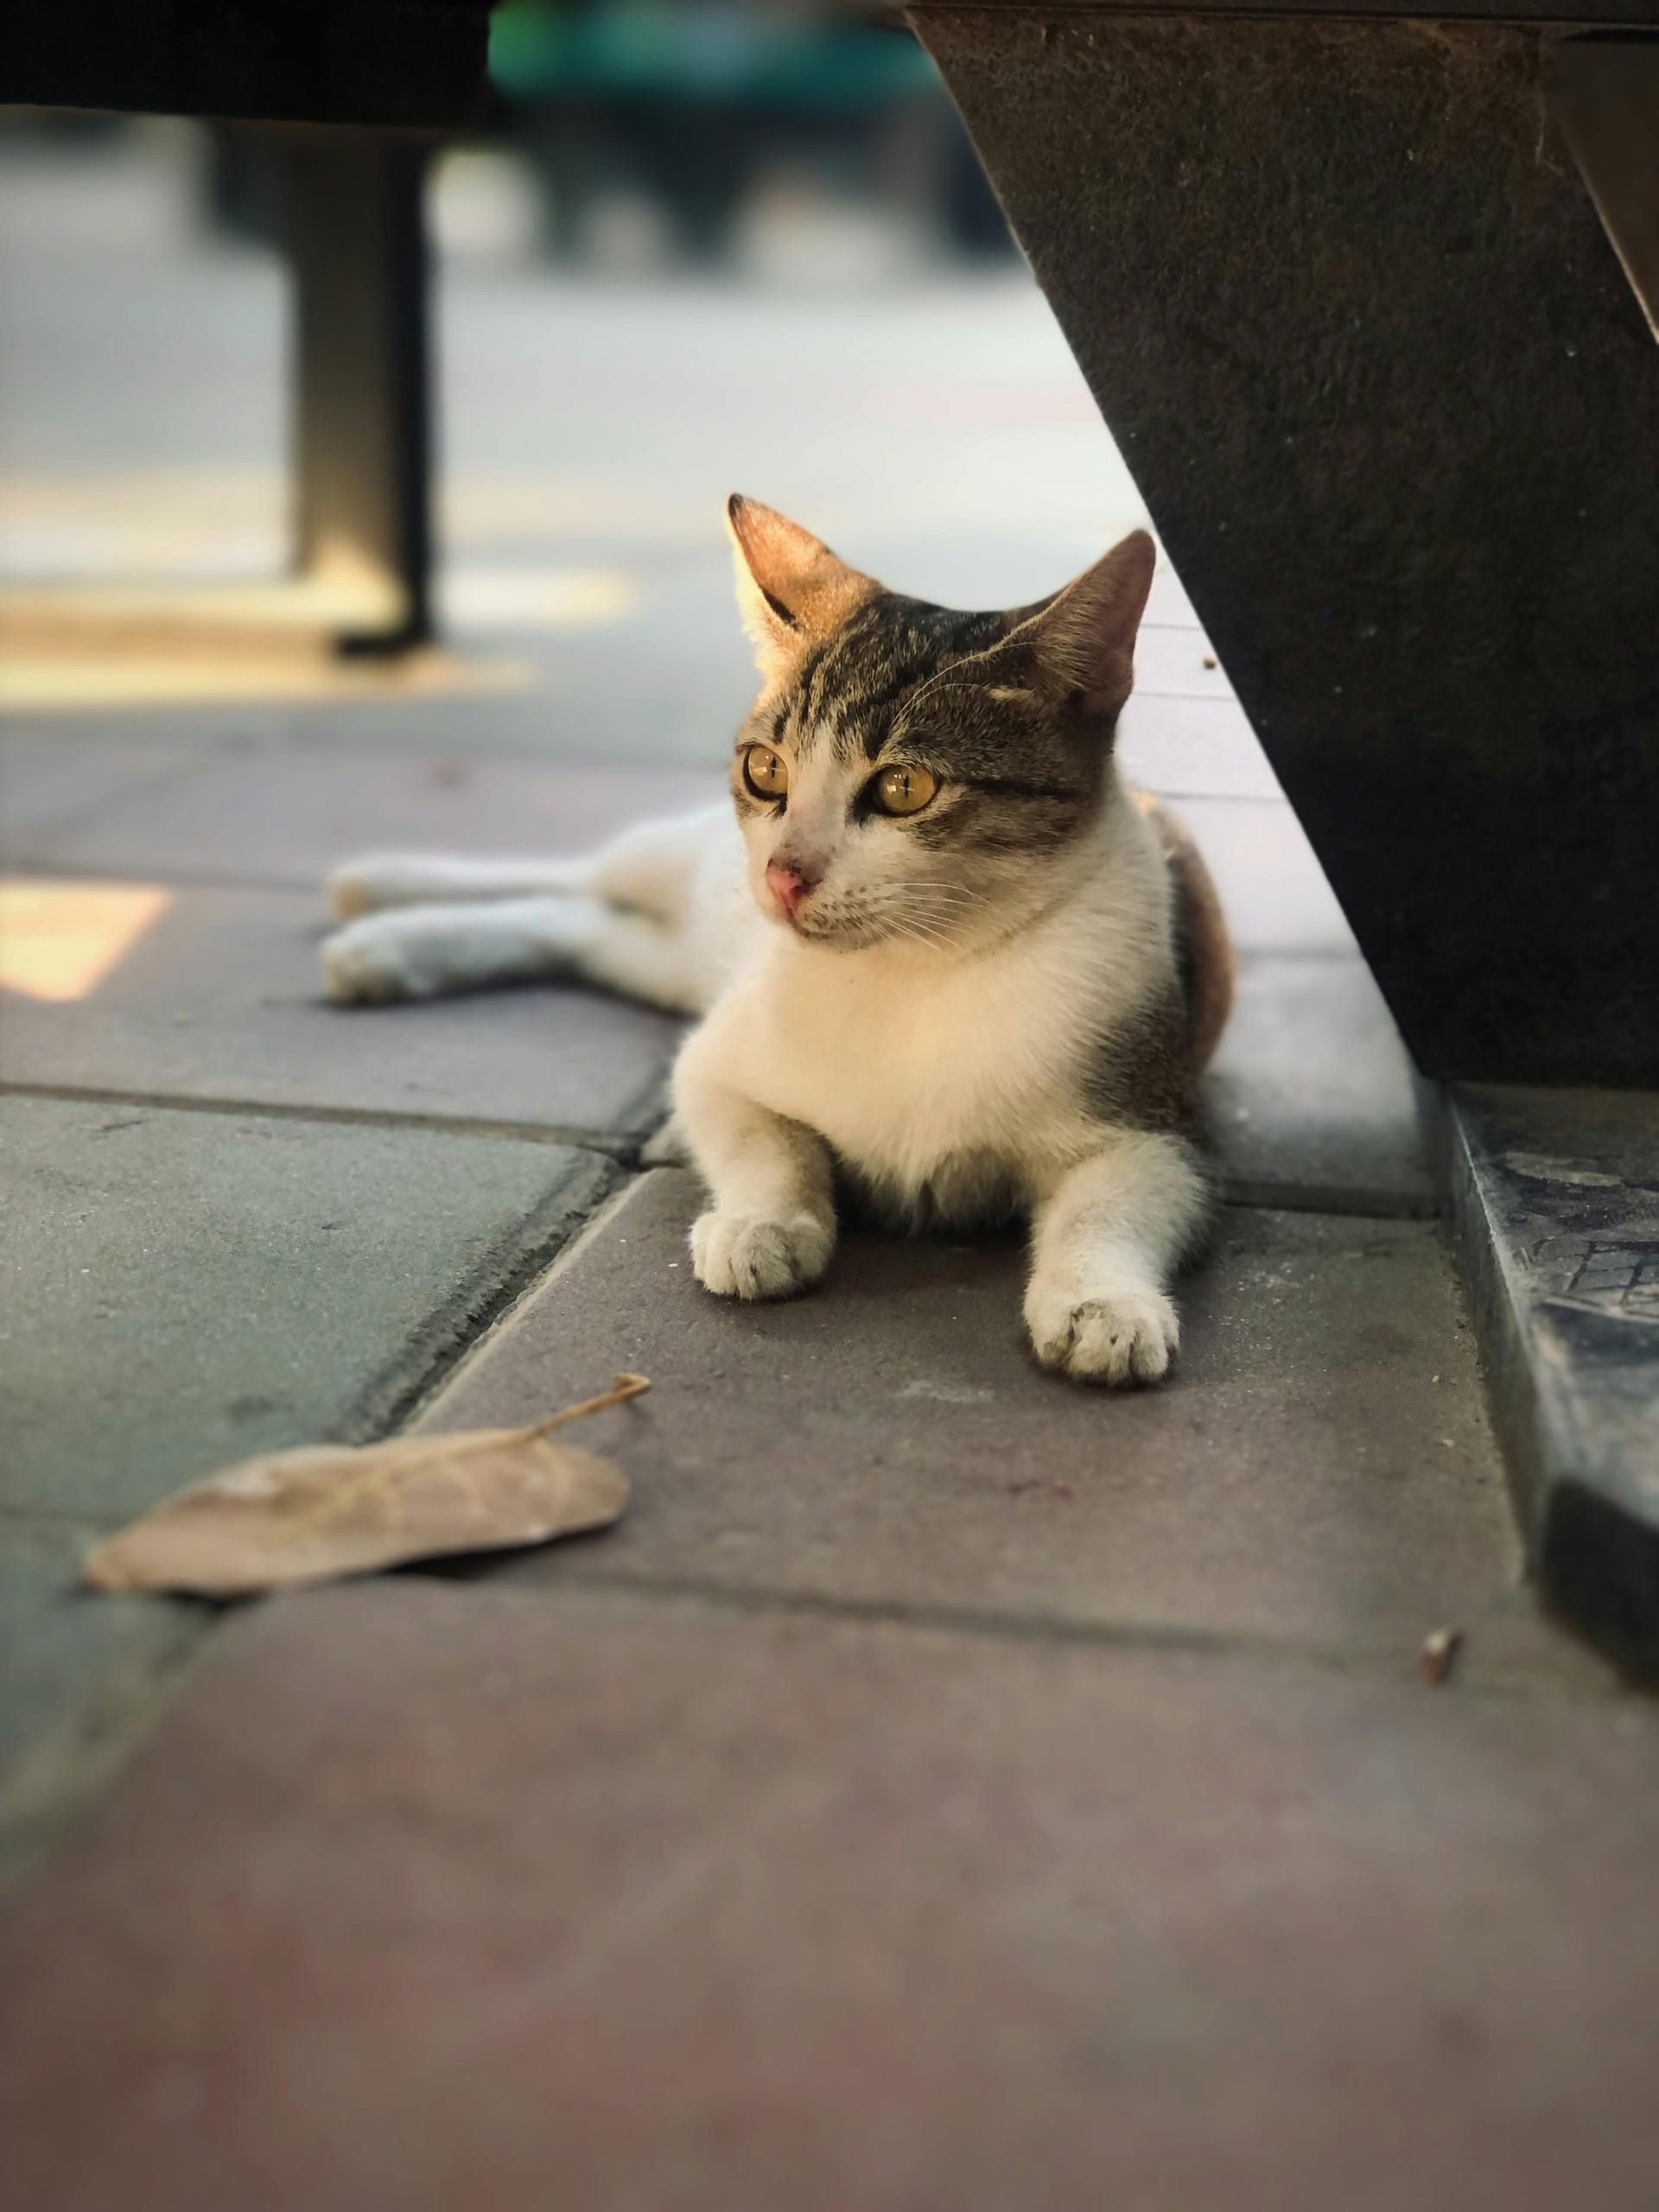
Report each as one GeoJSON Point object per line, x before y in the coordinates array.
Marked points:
{"type": "Point", "coordinates": [362, 422]}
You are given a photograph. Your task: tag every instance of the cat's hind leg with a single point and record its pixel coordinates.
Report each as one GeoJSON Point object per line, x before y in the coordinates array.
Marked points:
{"type": "Point", "coordinates": [379, 880]}
{"type": "Point", "coordinates": [417, 953]}
{"type": "Point", "coordinates": [650, 869]}
{"type": "Point", "coordinates": [653, 868]}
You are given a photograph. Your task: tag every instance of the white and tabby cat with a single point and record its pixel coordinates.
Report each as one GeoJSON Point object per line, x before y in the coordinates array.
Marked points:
{"type": "Point", "coordinates": [946, 965]}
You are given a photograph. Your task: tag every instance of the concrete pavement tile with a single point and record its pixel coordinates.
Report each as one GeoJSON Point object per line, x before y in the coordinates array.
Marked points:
{"type": "Point", "coordinates": [286, 818]}
{"type": "Point", "coordinates": [1310, 1097]}
{"type": "Point", "coordinates": [979, 554]}
{"type": "Point", "coordinates": [1320, 1471]}
{"type": "Point", "coordinates": [1273, 889]}
{"type": "Point", "coordinates": [1197, 747]}
{"type": "Point", "coordinates": [427, 1896]}
{"type": "Point", "coordinates": [220, 998]}
{"type": "Point", "coordinates": [183, 1288]}
{"type": "Point", "coordinates": [1177, 661]}
{"type": "Point", "coordinates": [550, 713]}
{"type": "Point", "coordinates": [49, 777]}
{"type": "Point", "coordinates": [1167, 604]}
{"type": "Point", "coordinates": [78, 1676]}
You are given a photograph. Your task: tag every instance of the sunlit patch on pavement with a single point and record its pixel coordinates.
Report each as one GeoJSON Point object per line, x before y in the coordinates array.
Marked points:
{"type": "Point", "coordinates": [58, 941]}
{"type": "Point", "coordinates": [44, 681]}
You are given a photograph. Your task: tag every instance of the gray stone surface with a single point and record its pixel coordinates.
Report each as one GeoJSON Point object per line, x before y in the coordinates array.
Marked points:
{"type": "Point", "coordinates": [181, 1288]}
{"type": "Point", "coordinates": [80, 1677]}
{"type": "Point", "coordinates": [1310, 1097]}
{"type": "Point", "coordinates": [1273, 889]}
{"type": "Point", "coordinates": [221, 998]}
{"type": "Point", "coordinates": [429, 1897]}
{"type": "Point", "coordinates": [1554, 1198]}
{"type": "Point", "coordinates": [1200, 747]}
{"type": "Point", "coordinates": [1319, 1474]}
{"type": "Point", "coordinates": [52, 777]}
{"type": "Point", "coordinates": [1176, 660]}
{"type": "Point", "coordinates": [268, 816]}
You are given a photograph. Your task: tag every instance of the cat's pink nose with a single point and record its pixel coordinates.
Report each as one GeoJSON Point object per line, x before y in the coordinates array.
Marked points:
{"type": "Point", "coordinates": [791, 885]}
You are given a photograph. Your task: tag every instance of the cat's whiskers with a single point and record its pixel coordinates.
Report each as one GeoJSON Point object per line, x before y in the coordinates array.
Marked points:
{"type": "Point", "coordinates": [881, 914]}
{"type": "Point", "coordinates": [897, 912]}
{"type": "Point", "coordinates": [919, 932]}
{"type": "Point", "coordinates": [905, 924]}
{"type": "Point", "coordinates": [924, 893]}
{"type": "Point", "coordinates": [933, 913]}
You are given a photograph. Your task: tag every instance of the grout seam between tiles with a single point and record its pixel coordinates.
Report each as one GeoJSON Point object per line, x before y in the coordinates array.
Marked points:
{"type": "Point", "coordinates": [619, 1146]}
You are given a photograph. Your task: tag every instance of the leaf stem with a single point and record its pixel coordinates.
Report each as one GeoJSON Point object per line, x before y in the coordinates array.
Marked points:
{"type": "Point", "coordinates": [624, 1386]}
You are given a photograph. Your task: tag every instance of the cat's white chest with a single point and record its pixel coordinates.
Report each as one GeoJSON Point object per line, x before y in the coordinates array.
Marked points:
{"type": "Point", "coordinates": [919, 1082]}
{"type": "Point", "coordinates": [949, 1086]}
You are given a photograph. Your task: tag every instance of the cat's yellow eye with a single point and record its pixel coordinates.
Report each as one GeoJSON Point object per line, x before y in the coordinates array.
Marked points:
{"type": "Point", "coordinates": [904, 791]}
{"type": "Point", "coordinates": [764, 772]}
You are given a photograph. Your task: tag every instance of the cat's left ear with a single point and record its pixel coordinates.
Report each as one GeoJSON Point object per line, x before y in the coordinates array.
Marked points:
{"type": "Point", "coordinates": [792, 590]}
{"type": "Point", "coordinates": [1083, 637]}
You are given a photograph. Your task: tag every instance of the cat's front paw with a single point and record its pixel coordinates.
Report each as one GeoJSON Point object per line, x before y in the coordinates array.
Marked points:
{"type": "Point", "coordinates": [1115, 1334]}
{"type": "Point", "coordinates": [740, 1256]}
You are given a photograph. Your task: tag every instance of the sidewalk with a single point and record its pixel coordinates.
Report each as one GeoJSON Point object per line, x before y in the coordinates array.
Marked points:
{"type": "Point", "coordinates": [947, 1787]}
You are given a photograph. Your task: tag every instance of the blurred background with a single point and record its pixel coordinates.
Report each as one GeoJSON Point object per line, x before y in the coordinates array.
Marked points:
{"type": "Point", "coordinates": [740, 244]}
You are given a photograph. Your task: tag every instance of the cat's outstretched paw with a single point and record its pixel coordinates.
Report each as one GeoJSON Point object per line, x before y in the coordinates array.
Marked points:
{"type": "Point", "coordinates": [1117, 1335]}
{"type": "Point", "coordinates": [739, 1255]}
{"type": "Point", "coordinates": [368, 964]}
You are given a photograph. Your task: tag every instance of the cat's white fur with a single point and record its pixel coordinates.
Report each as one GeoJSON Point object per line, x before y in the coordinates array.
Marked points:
{"type": "Point", "coordinates": [918, 1063]}
{"type": "Point", "coordinates": [928, 1028]}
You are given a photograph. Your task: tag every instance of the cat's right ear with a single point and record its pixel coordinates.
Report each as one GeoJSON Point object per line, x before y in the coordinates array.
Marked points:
{"type": "Point", "coordinates": [791, 589]}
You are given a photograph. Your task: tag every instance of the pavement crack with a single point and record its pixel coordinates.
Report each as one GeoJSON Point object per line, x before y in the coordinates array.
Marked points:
{"type": "Point", "coordinates": [1368, 1660]}
{"type": "Point", "coordinates": [515, 1265]}
{"type": "Point", "coordinates": [619, 1146]}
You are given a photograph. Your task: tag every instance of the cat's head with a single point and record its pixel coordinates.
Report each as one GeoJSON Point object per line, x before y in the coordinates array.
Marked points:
{"type": "Point", "coordinates": [908, 771]}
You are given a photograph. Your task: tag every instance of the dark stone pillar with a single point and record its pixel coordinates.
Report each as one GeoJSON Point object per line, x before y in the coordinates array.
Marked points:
{"type": "Point", "coordinates": [1346, 305]}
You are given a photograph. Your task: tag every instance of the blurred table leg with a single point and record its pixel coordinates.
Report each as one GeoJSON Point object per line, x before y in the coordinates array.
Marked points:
{"type": "Point", "coordinates": [362, 383]}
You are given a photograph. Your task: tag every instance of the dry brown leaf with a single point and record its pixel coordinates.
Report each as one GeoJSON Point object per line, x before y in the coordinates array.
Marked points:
{"type": "Point", "coordinates": [331, 1510]}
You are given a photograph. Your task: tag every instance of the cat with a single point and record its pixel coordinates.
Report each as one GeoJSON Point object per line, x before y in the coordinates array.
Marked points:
{"type": "Point", "coordinates": [947, 965]}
